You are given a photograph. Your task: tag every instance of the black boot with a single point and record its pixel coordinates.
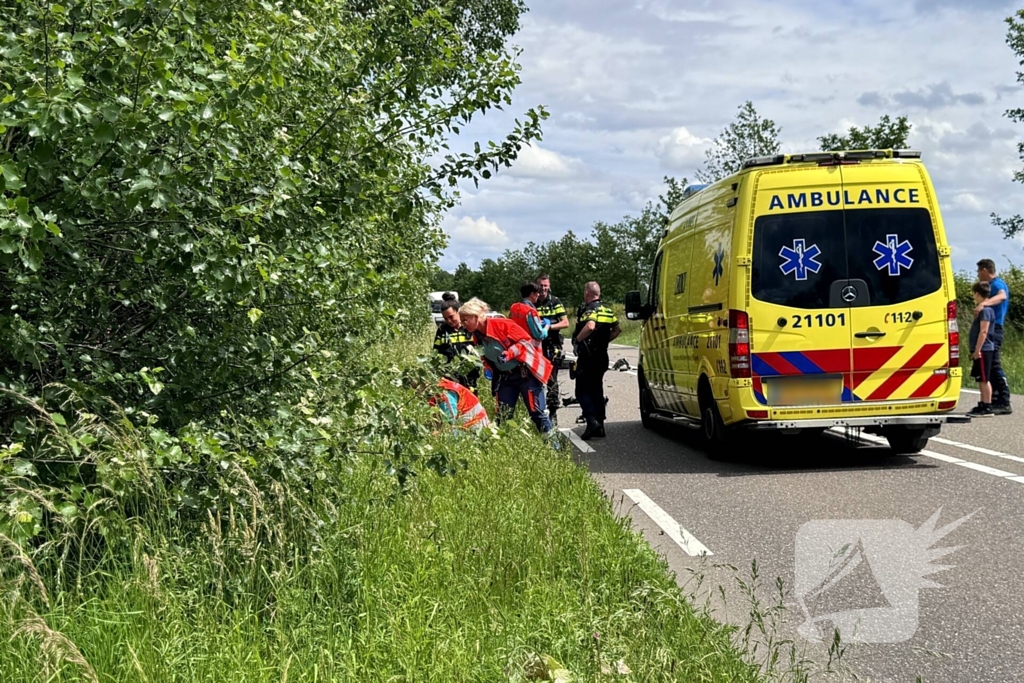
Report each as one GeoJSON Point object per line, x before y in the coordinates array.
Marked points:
{"type": "Point", "coordinates": [600, 430]}
{"type": "Point", "coordinates": [593, 427]}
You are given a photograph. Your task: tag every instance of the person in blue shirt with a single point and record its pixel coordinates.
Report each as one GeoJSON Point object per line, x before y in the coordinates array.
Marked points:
{"type": "Point", "coordinates": [982, 347]}
{"type": "Point", "coordinates": [999, 301]}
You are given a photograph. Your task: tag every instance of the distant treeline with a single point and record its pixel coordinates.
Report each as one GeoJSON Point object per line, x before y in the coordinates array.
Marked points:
{"type": "Point", "coordinates": [618, 256]}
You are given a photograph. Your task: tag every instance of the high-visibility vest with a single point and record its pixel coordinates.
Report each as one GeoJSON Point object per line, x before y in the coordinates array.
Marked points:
{"type": "Point", "coordinates": [470, 413]}
{"type": "Point", "coordinates": [525, 315]}
{"type": "Point", "coordinates": [518, 346]}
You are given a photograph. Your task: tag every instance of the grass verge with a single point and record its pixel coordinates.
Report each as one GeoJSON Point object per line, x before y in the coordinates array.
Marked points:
{"type": "Point", "coordinates": [481, 576]}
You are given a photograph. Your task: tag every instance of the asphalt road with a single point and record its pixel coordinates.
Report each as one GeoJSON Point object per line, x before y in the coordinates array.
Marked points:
{"type": "Point", "coordinates": [792, 504]}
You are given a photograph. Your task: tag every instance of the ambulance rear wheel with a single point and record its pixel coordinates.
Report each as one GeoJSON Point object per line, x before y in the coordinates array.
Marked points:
{"type": "Point", "coordinates": [712, 428]}
{"type": "Point", "coordinates": [646, 404]}
{"type": "Point", "coordinates": [906, 441]}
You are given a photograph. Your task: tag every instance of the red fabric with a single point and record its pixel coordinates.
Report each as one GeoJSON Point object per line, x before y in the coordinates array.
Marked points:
{"type": "Point", "coordinates": [521, 313]}
{"type": "Point", "coordinates": [519, 345]}
{"type": "Point", "coordinates": [471, 412]}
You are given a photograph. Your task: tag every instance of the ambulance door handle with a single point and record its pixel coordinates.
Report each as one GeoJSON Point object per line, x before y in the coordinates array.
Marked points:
{"type": "Point", "coordinates": [869, 335]}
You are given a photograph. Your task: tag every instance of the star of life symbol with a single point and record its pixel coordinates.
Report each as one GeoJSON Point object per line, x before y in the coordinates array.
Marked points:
{"type": "Point", "coordinates": [893, 255]}
{"type": "Point", "coordinates": [718, 270]}
{"type": "Point", "coordinates": [800, 259]}
{"type": "Point", "coordinates": [862, 576]}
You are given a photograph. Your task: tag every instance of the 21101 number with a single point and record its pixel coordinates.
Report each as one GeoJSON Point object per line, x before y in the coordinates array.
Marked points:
{"type": "Point", "coordinates": [819, 320]}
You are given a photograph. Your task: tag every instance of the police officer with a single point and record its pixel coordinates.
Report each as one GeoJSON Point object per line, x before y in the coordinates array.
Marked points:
{"type": "Point", "coordinates": [452, 339]}
{"type": "Point", "coordinates": [550, 308]}
{"type": "Point", "coordinates": [596, 327]}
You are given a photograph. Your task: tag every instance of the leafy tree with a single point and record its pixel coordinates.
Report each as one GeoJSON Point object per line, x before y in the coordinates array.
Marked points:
{"type": "Point", "coordinates": [571, 262]}
{"type": "Point", "coordinates": [441, 280]}
{"type": "Point", "coordinates": [202, 201]}
{"type": "Point", "coordinates": [1014, 225]}
{"type": "Point", "coordinates": [673, 196]}
{"type": "Point", "coordinates": [748, 136]}
{"type": "Point", "coordinates": [887, 134]}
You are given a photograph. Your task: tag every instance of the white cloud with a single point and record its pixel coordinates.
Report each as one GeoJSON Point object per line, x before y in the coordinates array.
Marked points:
{"type": "Point", "coordinates": [637, 89]}
{"type": "Point", "coordinates": [682, 149]}
{"type": "Point", "coordinates": [966, 200]}
{"type": "Point", "coordinates": [475, 232]}
{"type": "Point", "coordinates": [536, 162]}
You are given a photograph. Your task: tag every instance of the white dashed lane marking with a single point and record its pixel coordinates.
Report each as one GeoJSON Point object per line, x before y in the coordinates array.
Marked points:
{"type": "Point", "coordinates": [683, 538]}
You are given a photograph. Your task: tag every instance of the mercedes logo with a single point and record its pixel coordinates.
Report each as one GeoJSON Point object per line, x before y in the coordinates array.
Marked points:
{"type": "Point", "coordinates": [849, 294]}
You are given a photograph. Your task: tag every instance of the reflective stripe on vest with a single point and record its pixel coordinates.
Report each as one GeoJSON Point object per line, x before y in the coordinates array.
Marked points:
{"type": "Point", "coordinates": [471, 412]}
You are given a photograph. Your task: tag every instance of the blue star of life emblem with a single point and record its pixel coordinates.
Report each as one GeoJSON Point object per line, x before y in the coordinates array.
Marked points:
{"type": "Point", "coordinates": [893, 255]}
{"type": "Point", "coordinates": [800, 259]}
{"type": "Point", "coordinates": [719, 270]}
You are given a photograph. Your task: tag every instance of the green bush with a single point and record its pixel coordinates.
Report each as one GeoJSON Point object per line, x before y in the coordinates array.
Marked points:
{"type": "Point", "coordinates": [201, 200]}
{"type": "Point", "coordinates": [207, 208]}
{"type": "Point", "coordinates": [1013, 276]}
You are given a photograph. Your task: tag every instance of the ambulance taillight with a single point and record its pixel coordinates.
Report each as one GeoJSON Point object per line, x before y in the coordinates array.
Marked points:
{"type": "Point", "coordinates": [739, 345]}
{"type": "Point", "coordinates": [954, 335]}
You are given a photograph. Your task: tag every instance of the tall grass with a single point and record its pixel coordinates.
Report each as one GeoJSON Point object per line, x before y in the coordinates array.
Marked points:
{"type": "Point", "coordinates": [630, 328]}
{"type": "Point", "coordinates": [514, 563]}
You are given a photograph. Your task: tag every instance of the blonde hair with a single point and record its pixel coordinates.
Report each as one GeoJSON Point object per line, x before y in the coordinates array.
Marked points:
{"type": "Point", "coordinates": [474, 307]}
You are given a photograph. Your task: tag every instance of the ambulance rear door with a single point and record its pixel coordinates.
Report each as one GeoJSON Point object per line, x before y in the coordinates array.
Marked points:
{"type": "Point", "coordinates": [899, 316]}
{"type": "Point", "coordinates": [800, 324]}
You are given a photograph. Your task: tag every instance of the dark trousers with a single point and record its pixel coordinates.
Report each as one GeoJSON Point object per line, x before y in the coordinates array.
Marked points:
{"type": "Point", "coordinates": [510, 387]}
{"type": "Point", "coordinates": [590, 371]}
{"type": "Point", "coordinates": [1000, 386]}
{"type": "Point", "coordinates": [554, 398]}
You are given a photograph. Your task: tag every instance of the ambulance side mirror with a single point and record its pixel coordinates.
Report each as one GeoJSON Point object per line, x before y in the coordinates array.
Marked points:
{"type": "Point", "coordinates": [635, 308]}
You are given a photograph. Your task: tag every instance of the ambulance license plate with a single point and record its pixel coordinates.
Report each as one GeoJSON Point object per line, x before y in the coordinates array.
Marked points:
{"type": "Point", "coordinates": [805, 391]}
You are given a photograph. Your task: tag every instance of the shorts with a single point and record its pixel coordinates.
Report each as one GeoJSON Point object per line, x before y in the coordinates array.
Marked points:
{"type": "Point", "coordinates": [981, 370]}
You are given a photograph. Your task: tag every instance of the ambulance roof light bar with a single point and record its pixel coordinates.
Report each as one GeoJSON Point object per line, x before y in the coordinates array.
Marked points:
{"type": "Point", "coordinates": [692, 190]}
{"type": "Point", "coordinates": [832, 158]}
{"type": "Point", "coordinates": [764, 161]}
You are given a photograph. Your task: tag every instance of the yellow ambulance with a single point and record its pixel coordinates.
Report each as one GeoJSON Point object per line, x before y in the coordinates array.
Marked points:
{"type": "Point", "coordinates": [804, 292]}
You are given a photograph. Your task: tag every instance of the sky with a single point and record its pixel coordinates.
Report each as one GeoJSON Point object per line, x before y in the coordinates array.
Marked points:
{"type": "Point", "coordinates": [638, 89]}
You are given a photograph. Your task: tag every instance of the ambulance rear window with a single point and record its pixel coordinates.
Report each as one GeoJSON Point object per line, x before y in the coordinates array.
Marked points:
{"type": "Point", "coordinates": [894, 251]}
{"type": "Point", "coordinates": [798, 256]}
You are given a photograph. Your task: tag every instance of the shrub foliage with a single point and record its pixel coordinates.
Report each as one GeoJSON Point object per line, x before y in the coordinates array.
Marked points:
{"type": "Point", "coordinates": [208, 209]}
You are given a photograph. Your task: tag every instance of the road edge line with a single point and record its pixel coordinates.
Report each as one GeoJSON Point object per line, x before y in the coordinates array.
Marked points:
{"type": "Point", "coordinates": [978, 449]}
{"type": "Point", "coordinates": [577, 441]}
{"type": "Point", "coordinates": [969, 464]}
{"type": "Point", "coordinates": [683, 538]}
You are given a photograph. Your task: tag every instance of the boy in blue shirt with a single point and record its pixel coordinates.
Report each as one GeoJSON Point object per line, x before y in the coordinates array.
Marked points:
{"type": "Point", "coordinates": [999, 301]}
{"type": "Point", "coordinates": [983, 348]}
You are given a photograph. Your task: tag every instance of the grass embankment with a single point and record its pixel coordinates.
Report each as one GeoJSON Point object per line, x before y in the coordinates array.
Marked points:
{"type": "Point", "coordinates": [459, 578]}
{"type": "Point", "coordinates": [1013, 359]}
{"type": "Point", "coordinates": [630, 328]}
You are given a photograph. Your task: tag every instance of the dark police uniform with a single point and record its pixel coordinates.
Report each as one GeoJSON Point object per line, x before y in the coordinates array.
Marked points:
{"type": "Point", "coordinates": [552, 310]}
{"type": "Point", "coordinates": [592, 363]}
{"type": "Point", "coordinates": [449, 343]}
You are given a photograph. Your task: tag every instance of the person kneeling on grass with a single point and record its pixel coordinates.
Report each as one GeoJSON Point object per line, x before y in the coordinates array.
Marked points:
{"type": "Point", "coordinates": [460, 406]}
{"type": "Point", "coordinates": [982, 349]}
